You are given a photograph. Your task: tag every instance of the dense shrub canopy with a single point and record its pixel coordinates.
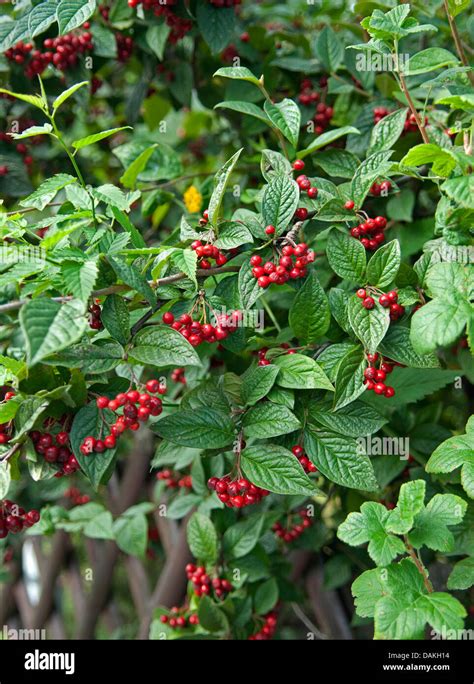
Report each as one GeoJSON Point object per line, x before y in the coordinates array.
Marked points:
{"type": "Point", "coordinates": [236, 310]}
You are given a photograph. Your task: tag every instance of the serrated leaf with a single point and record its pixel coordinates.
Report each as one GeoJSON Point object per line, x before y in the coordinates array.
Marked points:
{"type": "Point", "coordinates": [349, 379]}
{"type": "Point", "coordinates": [387, 131]}
{"type": "Point", "coordinates": [309, 315]}
{"type": "Point", "coordinates": [47, 191]}
{"type": "Point", "coordinates": [202, 538]}
{"type": "Point", "coordinates": [116, 318]}
{"type": "Point", "coordinates": [301, 372]}
{"type": "Point", "coordinates": [88, 422]}
{"type": "Point", "coordinates": [285, 115]}
{"type": "Point", "coordinates": [221, 180]}
{"type": "Point", "coordinates": [80, 277]}
{"type": "Point", "coordinates": [279, 202]}
{"type": "Point", "coordinates": [355, 420]}
{"type": "Point", "coordinates": [346, 256]}
{"type": "Point", "coordinates": [73, 13]}
{"type": "Point", "coordinates": [269, 420]}
{"type": "Point", "coordinates": [49, 327]}
{"type": "Point", "coordinates": [384, 264]}
{"type": "Point", "coordinates": [370, 325]}
{"type": "Point", "coordinates": [200, 428]}
{"type": "Point", "coordinates": [274, 468]}
{"type": "Point", "coordinates": [131, 276]}
{"type": "Point", "coordinates": [375, 165]}
{"type": "Point", "coordinates": [97, 137]}
{"type": "Point", "coordinates": [340, 459]}
{"type": "Point", "coordinates": [257, 381]}
{"type": "Point", "coordinates": [162, 346]}
{"type": "Point", "coordinates": [66, 94]}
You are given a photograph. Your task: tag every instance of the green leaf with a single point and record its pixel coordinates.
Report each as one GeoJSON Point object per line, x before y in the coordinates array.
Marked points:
{"type": "Point", "coordinates": [162, 346]}
{"type": "Point", "coordinates": [47, 191]}
{"type": "Point", "coordinates": [266, 596]}
{"type": "Point", "coordinates": [5, 479]}
{"type": "Point", "coordinates": [80, 277]}
{"type": "Point", "coordinates": [248, 286]}
{"type": "Point", "coordinates": [66, 94]}
{"type": "Point", "coordinates": [8, 410]}
{"type": "Point", "coordinates": [131, 276]}
{"type": "Point", "coordinates": [100, 526]}
{"type": "Point", "coordinates": [329, 49]}
{"type": "Point", "coordinates": [443, 160]}
{"type": "Point", "coordinates": [349, 377]}
{"type": "Point", "coordinates": [157, 37]}
{"type": "Point", "coordinates": [431, 524]}
{"type": "Point", "coordinates": [455, 452]}
{"type": "Point", "coordinates": [202, 538]}
{"type": "Point", "coordinates": [34, 100]}
{"type": "Point", "coordinates": [373, 167]}
{"type": "Point", "coordinates": [340, 459]}
{"type": "Point", "coordinates": [370, 526]}
{"type": "Point", "coordinates": [269, 420]}
{"type": "Point", "coordinates": [238, 73]}
{"type": "Point", "coordinates": [411, 500]}
{"type": "Point", "coordinates": [370, 325]}
{"type": "Point", "coordinates": [274, 468]}
{"type": "Point", "coordinates": [439, 323]}
{"type": "Point", "coordinates": [461, 190]}
{"type": "Point", "coordinates": [279, 202]}
{"type": "Point", "coordinates": [116, 318]}
{"type": "Point", "coordinates": [129, 178]}
{"type": "Point", "coordinates": [383, 266]}
{"type": "Point", "coordinates": [216, 25]}
{"type": "Point", "coordinates": [457, 6]}
{"type": "Point", "coordinates": [387, 131]}
{"type": "Point", "coordinates": [49, 326]}
{"type": "Point", "coordinates": [337, 163]}
{"type": "Point", "coordinates": [309, 315]}
{"type": "Point", "coordinates": [241, 538]}
{"type": "Point", "coordinates": [244, 108]}
{"type": "Point", "coordinates": [211, 617]}
{"type": "Point", "coordinates": [186, 261]}
{"type": "Point", "coordinates": [327, 138]}
{"type": "Point", "coordinates": [221, 179]}
{"type": "Point", "coordinates": [33, 131]}
{"type": "Point", "coordinates": [90, 358]}
{"type": "Point", "coordinates": [346, 256]}
{"type": "Point", "coordinates": [430, 59]}
{"type": "Point", "coordinates": [201, 428]}
{"type": "Point", "coordinates": [397, 346]}
{"type": "Point", "coordinates": [73, 13]}
{"type": "Point", "coordinates": [88, 422]}
{"type": "Point", "coordinates": [131, 534]}
{"type": "Point", "coordinates": [27, 415]}
{"type": "Point", "coordinates": [97, 137]}
{"type": "Point", "coordinates": [41, 17]}
{"type": "Point", "coordinates": [233, 235]}
{"type": "Point", "coordinates": [257, 381]}
{"type": "Point", "coordinates": [301, 372]}
{"type": "Point", "coordinates": [462, 575]}
{"type": "Point", "coordinates": [285, 115]}
{"type": "Point", "coordinates": [355, 420]}
{"type": "Point", "coordinates": [127, 225]}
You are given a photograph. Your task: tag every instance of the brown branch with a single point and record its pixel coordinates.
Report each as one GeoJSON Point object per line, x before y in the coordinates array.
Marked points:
{"type": "Point", "coordinates": [419, 122]}
{"type": "Point", "coordinates": [457, 41]}
{"type": "Point", "coordinates": [420, 567]}
{"type": "Point", "coordinates": [114, 289]}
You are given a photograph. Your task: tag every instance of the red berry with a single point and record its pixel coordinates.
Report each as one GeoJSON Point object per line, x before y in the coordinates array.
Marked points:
{"type": "Point", "coordinates": [256, 260]}
{"type": "Point", "coordinates": [368, 303]}
{"type": "Point", "coordinates": [298, 165]}
{"type": "Point", "coordinates": [362, 294]}
{"type": "Point", "coordinates": [102, 402]}
{"type": "Point", "coordinates": [168, 318]}
{"type": "Point", "coordinates": [349, 204]}
{"type": "Point", "coordinates": [270, 230]}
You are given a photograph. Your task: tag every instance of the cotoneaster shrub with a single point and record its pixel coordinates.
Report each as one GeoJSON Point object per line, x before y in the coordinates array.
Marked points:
{"type": "Point", "coordinates": [251, 235]}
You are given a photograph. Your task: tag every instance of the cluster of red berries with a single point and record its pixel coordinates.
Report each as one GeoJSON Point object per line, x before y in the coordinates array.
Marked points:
{"type": "Point", "coordinates": [137, 407]}
{"type": "Point", "coordinates": [382, 188]}
{"type": "Point", "coordinates": [374, 377]}
{"type": "Point", "coordinates": [268, 630]}
{"type": "Point", "coordinates": [63, 52]}
{"type": "Point", "coordinates": [236, 493]}
{"type": "Point", "coordinates": [196, 332]}
{"type": "Point", "coordinates": [291, 265]}
{"type": "Point", "coordinates": [387, 300]}
{"type": "Point", "coordinates": [322, 118]}
{"type": "Point", "coordinates": [308, 95]}
{"type": "Point", "coordinates": [380, 113]}
{"type": "Point", "coordinates": [308, 466]}
{"type": "Point", "coordinates": [180, 619]}
{"type": "Point", "coordinates": [177, 375]}
{"type": "Point", "coordinates": [370, 232]}
{"type": "Point", "coordinates": [161, 8]}
{"type": "Point", "coordinates": [203, 584]}
{"type": "Point", "coordinates": [174, 480]}
{"type": "Point", "coordinates": [206, 252]}
{"type": "Point", "coordinates": [262, 354]}
{"type": "Point", "coordinates": [124, 47]}
{"type": "Point", "coordinates": [95, 321]}
{"type": "Point", "coordinates": [291, 532]}
{"type": "Point", "coordinates": [77, 499]}
{"type": "Point", "coordinates": [55, 448]}
{"type": "Point", "coordinates": [303, 181]}
{"type": "Point", "coordinates": [14, 519]}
